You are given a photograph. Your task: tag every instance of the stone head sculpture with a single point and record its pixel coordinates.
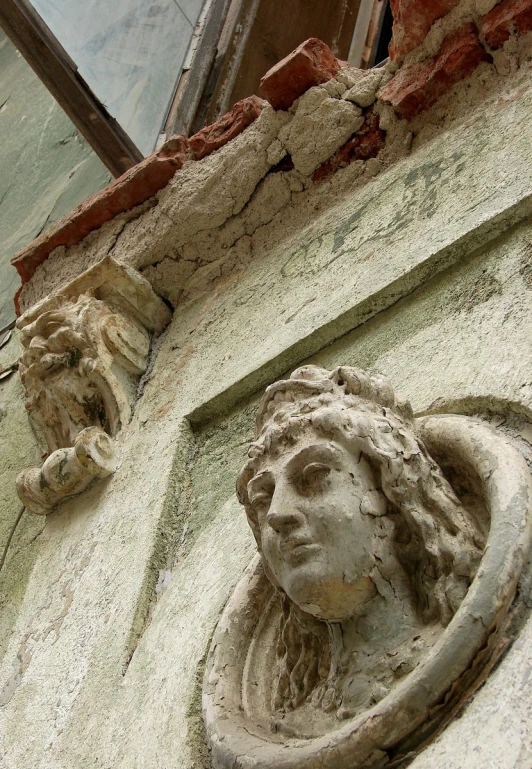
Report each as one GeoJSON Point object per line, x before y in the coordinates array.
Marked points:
{"type": "Point", "coordinates": [345, 503]}
{"type": "Point", "coordinates": [366, 576]}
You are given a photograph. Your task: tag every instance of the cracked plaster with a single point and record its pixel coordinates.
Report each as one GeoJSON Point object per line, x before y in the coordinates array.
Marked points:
{"type": "Point", "coordinates": [209, 213]}
{"type": "Point", "coordinates": [321, 124]}
{"type": "Point", "coordinates": [109, 694]}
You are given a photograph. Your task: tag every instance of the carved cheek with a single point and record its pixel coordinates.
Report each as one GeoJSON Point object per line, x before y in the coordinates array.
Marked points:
{"type": "Point", "coordinates": [269, 544]}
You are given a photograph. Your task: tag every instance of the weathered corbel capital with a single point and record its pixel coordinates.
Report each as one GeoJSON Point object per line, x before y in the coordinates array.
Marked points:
{"type": "Point", "coordinates": [85, 348]}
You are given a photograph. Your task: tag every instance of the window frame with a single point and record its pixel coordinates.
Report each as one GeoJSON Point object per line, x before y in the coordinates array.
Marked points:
{"type": "Point", "coordinates": [59, 73]}
{"type": "Point", "coordinates": [51, 63]}
{"type": "Point", "coordinates": [218, 42]}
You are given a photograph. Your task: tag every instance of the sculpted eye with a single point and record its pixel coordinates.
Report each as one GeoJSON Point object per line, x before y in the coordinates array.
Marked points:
{"type": "Point", "coordinates": [316, 469]}
{"type": "Point", "coordinates": [260, 491]}
{"type": "Point", "coordinates": [261, 500]}
{"type": "Point", "coordinates": [314, 476]}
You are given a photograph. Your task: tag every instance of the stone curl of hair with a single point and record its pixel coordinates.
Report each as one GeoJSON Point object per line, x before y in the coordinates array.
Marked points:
{"type": "Point", "coordinates": [434, 539]}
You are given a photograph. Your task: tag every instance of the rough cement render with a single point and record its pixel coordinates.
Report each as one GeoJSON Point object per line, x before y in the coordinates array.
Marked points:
{"type": "Point", "coordinates": [312, 202]}
{"type": "Point", "coordinates": [202, 226]}
{"type": "Point", "coordinates": [59, 268]}
{"type": "Point", "coordinates": [200, 261]}
{"type": "Point", "coordinates": [364, 91]}
{"type": "Point", "coordinates": [304, 138]}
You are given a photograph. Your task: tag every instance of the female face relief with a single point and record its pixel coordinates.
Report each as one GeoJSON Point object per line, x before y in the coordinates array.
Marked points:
{"type": "Point", "coordinates": [316, 507]}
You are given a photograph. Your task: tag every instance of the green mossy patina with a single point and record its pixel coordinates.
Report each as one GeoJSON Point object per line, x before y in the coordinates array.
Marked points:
{"type": "Point", "coordinates": [47, 167]}
{"type": "Point", "coordinates": [73, 357]}
{"type": "Point", "coordinates": [18, 450]}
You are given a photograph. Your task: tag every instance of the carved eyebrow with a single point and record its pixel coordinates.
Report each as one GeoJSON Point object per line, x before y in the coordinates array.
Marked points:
{"type": "Point", "coordinates": [310, 454]}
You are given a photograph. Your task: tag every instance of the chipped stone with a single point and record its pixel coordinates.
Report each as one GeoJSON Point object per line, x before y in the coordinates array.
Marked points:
{"type": "Point", "coordinates": [333, 120]}
{"type": "Point", "coordinates": [130, 190]}
{"type": "Point", "coordinates": [364, 92]}
{"type": "Point", "coordinates": [365, 145]}
{"type": "Point", "coordinates": [507, 17]}
{"type": "Point", "coordinates": [334, 88]}
{"type": "Point", "coordinates": [218, 134]}
{"type": "Point", "coordinates": [419, 86]}
{"type": "Point", "coordinates": [350, 75]}
{"type": "Point", "coordinates": [275, 152]}
{"type": "Point", "coordinates": [169, 277]}
{"type": "Point", "coordinates": [412, 19]}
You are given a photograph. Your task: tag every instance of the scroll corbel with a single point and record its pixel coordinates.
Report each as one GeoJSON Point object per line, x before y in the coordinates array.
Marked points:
{"type": "Point", "coordinates": [85, 348]}
{"type": "Point", "coordinates": [68, 471]}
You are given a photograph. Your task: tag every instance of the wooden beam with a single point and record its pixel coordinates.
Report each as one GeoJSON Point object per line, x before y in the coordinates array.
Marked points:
{"type": "Point", "coordinates": [267, 31]}
{"type": "Point", "coordinates": [374, 31]}
{"type": "Point", "coordinates": [197, 68]}
{"type": "Point", "coordinates": [230, 50]}
{"type": "Point", "coordinates": [43, 52]}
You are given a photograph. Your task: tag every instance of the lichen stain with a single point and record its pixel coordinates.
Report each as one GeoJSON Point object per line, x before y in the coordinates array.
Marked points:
{"type": "Point", "coordinates": [525, 267]}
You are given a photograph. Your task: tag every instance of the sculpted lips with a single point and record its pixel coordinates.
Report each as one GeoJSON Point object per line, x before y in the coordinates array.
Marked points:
{"type": "Point", "coordinates": [297, 546]}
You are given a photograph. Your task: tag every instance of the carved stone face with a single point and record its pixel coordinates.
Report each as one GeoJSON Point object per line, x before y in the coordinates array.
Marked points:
{"type": "Point", "coordinates": [316, 508]}
{"type": "Point", "coordinates": [359, 526]}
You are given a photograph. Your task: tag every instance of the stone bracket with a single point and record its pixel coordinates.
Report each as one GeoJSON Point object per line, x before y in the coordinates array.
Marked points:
{"type": "Point", "coordinates": [85, 348]}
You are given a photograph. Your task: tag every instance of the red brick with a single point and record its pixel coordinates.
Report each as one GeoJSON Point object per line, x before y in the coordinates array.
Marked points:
{"type": "Point", "coordinates": [312, 63]}
{"type": "Point", "coordinates": [412, 19]}
{"type": "Point", "coordinates": [365, 144]}
{"type": "Point", "coordinates": [213, 137]}
{"type": "Point", "coordinates": [418, 87]}
{"type": "Point", "coordinates": [508, 16]}
{"type": "Point", "coordinates": [129, 190]}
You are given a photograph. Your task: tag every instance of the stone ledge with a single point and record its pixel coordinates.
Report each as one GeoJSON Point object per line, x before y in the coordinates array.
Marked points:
{"type": "Point", "coordinates": [312, 65]}
{"type": "Point", "coordinates": [134, 187]}
{"type": "Point", "coordinates": [119, 285]}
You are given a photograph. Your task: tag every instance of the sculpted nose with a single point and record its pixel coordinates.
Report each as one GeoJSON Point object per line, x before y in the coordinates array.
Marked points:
{"type": "Point", "coordinates": [283, 516]}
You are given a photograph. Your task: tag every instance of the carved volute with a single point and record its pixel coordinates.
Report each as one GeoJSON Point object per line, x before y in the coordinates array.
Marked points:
{"type": "Point", "coordinates": [68, 365]}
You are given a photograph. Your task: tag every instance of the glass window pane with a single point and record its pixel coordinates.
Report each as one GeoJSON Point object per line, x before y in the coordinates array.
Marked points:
{"type": "Point", "coordinates": [130, 52]}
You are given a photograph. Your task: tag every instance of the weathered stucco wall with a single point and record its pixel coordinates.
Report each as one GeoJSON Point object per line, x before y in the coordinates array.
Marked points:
{"type": "Point", "coordinates": [18, 449]}
{"type": "Point", "coordinates": [47, 167]}
{"type": "Point", "coordinates": [423, 272]}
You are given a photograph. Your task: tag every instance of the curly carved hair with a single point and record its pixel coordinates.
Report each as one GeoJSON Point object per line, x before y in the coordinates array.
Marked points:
{"type": "Point", "coordinates": [434, 539]}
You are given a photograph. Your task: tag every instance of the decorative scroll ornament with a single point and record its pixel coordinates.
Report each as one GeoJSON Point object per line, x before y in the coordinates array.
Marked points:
{"type": "Point", "coordinates": [84, 350]}
{"type": "Point", "coordinates": [380, 594]}
{"type": "Point", "coordinates": [68, 471]}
